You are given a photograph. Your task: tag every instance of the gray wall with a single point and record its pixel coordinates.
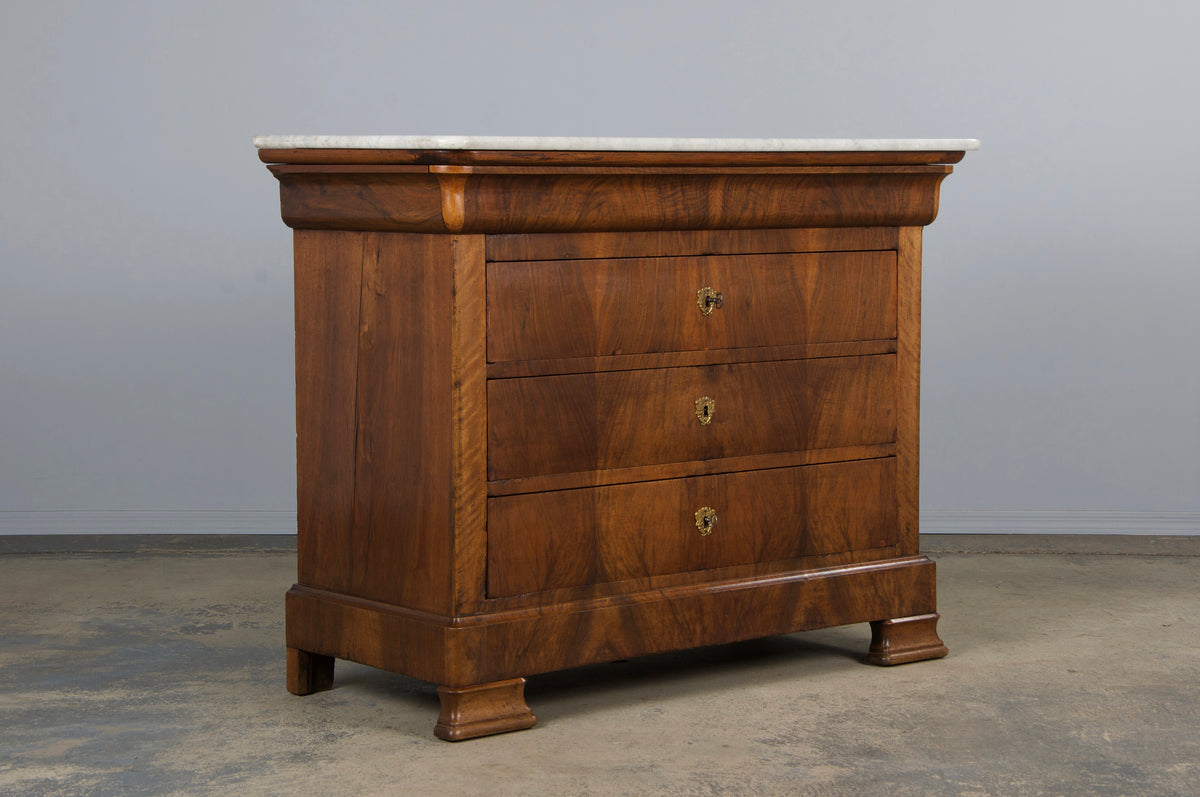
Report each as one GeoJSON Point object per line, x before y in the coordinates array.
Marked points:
{"type": "Point", "coordinates": [145, 295]}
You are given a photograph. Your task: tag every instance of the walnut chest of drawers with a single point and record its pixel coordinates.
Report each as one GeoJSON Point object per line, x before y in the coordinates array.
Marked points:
{"type": "Point", "coordinates": [569, 401]}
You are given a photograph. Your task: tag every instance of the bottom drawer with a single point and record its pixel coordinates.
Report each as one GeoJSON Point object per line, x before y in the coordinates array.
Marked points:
{"type": "Point", "coordinates": [572, 538]}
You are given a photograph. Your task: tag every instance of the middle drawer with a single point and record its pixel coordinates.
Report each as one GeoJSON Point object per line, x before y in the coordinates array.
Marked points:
{"type": "Point", "coordinates": [619, 419]}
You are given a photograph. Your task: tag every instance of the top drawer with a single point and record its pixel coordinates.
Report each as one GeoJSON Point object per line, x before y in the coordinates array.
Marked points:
{"type": "Point", "coordinates": [591, 308]}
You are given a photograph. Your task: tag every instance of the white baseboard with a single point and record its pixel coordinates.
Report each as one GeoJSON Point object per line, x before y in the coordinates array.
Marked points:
{"type": "Point", "coordinates": [149, 521]}
{"type": "Point", "coordinates": [934, 521]}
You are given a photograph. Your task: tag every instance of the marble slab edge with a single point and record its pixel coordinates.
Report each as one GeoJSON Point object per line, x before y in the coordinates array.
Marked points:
{"type": "Point", "coordinates": [602, 144]}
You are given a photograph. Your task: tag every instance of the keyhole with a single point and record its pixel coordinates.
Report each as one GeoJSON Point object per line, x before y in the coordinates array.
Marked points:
{"type": "Point", "coordinates": [708, 300]}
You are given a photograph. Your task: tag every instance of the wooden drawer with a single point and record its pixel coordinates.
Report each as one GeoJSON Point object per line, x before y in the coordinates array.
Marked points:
{"type": "Point", "coordinates": [590, 308]}
{"type": "Point", "coordinates": [585, 422]}
{"type": "Point", "coordinates": [571, 538]}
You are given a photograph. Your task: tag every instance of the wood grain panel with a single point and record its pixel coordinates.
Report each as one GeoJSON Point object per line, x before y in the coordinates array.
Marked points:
{"type": "Point", "coordinates": [508, 203]}
{"type": "Point", "coordinates": [624, 419]}
{"type": "Point", "coordinates": [567, 636]}
{"type": "Point", "coordinates": [908, 388]}
{"type": "Point", "coordinates": [557, 246]}
{"type": "Point", "coordinates": [403, 510]}
{"type": "Point", "coordinates": [470, 422]}
{"type": "Point", "coordinates": [328, 274]}
{"type": "Point", "coordinates": [335, 623]}
{"type": "Point", "coordinates": [609, 534]}
{"type": "Point", "coordinates": [489, 647]}
{"type": "Point", "coordinates": [589, 308]}
{"type": "Point", "coordinates": [400, 201]}
{"type": "Point", "coordinates": [386, 198]}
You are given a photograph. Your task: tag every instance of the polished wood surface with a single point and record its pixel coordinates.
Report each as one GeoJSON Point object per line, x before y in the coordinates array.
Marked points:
{"type": "Point", "coordinates": [375, 520]}
{"type": "Point", "coordinates": [483, 710]}
{"type": "Point", "coordinates": [468, 422]}
{"type": "Point", "coordinates": [905, 639]}
{"type": "Point", "coordinates": [593, 308]}
{"type": "Point", "coordinates": [500, 360]}
{"type": "Point", "coordinates": [587, 422]}
{"type": "Point", "coordinates": [540, 200]}
{"type": "Point", "coordinates": [554, 635]}
{"type": "Point", "coordinates": [630, 531]}
{"type": "Point", "coordinates": [908, 387]}
{"type": "Point", "coordinates": [328, 280]}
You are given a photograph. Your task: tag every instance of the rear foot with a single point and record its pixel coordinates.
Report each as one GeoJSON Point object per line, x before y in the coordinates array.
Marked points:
{"type": "Point", "coordinates": [308, 672]}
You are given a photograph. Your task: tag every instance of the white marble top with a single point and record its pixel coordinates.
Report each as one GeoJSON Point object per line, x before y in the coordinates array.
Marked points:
{"type": "Point", "coordinates": [619, 144]}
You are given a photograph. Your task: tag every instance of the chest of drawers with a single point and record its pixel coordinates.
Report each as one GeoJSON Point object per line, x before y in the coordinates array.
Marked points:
{"type": "Point", "coordinates": [562, 402]}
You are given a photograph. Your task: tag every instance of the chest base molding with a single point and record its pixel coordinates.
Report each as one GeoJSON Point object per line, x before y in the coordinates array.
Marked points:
{"type": "Point", "coordinates": [496, 646]}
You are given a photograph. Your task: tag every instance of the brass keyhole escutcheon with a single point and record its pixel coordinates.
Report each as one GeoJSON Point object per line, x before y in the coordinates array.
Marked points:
{"type": "Point", "coordinates": [708, 300]}
{"type": "Point", "coordinates": [705, 407]}
{"type": "Point", "coordinates": [706, 520]}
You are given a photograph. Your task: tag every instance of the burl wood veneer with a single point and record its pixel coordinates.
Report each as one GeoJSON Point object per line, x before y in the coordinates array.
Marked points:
{"type": "Point", "coordinates": [563, 406]}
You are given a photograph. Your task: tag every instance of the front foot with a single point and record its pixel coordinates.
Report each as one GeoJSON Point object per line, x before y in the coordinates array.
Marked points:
{"type": "Point", "coordinates": [905, 639]}
{"type": "Point", "coordinates": [482, 710]}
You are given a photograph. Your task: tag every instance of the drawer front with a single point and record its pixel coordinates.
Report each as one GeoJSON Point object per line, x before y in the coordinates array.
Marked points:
{"type": "Point", "coordinates": [589, 308]}
{"type": "Point", "coordinates": [584, 422]}
{"type": "Point", "coordinates": [571, 538]}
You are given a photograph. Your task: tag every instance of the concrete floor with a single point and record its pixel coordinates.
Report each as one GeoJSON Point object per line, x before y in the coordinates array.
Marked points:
{"type": "Point", "coordinates": [162, 673]}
